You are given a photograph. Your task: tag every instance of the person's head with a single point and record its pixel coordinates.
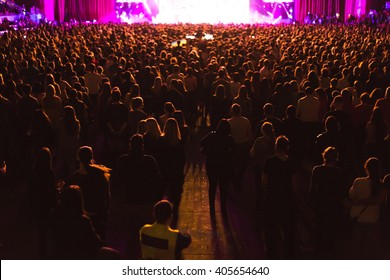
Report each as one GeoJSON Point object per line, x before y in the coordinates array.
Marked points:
{"type": "Point", "coordinates": [331, 124]}
{"type": "Point", "coordinates": [291, 111]}
{"type": "Point", "coordinates": [387, 93]}
{"type": "Point", "coordinates": [178, 115]}
{"type": "Point", "coordinates": [153, 128]}
{"type": "Point", "coordinates": [50, 91]}
{"type": "Point", "coordinates": [163, 211]}
{"type": "Point", "coordinates": [72, 202]}
{"type": "Point", "coordinates": [235, 110]}
{"type": "Point", "coordinates": [338, 103]}
{"type": "Point", "coordinates": [268, 110]}
{"type": "Point", "coordinates": [309, 91]}
{"type": "Point", "coordinates": [136, 103]}
{"type": "Point", "coordinates": [267, 129]}
{"type": "Point", "coordinates": [172, 132]}
{"type": "Point", "coordinates": [176, 69]}
{"type": "Point", "coordinates": [169, 108]}
{"type": "Point", "coordinates": [72, 94]}
{"type": "Point", "coordinates": [330, 155]}
{"type": "Point", "coordinates": [85, 155]}
{"type": "Point", "coordinates": [372, 166]}
{"type": "Point", "coordinates": [43, 159]}
{"type": "Point", "coordinates": [243, 92]}
{"type": "Point", "coordinates": [377, 115]}
{"type": "Point", "coordinates": [69, 113]}
{"type": "Point", "coordinates": [365, 98]}
{"type": "Point", "coordinates": [220, 91]}
{"type": "Point", "coordinates": [26, 89]}
{"type": "Point", "coordinates": [223, 128]}
{"type": "Point", "coordinates": [116, 95]}
{"type": "Point", "coordinates": [141, 127]}
{"type": "Point", "coordinates": [157, 82]}
{"type": "Point", "coordinates": [136, 143]}
{"type": "Point", "coordinates": [282, 144]}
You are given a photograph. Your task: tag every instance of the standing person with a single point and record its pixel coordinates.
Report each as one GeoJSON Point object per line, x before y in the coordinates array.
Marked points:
{"type": "Point", "coordinates": [71, 233]}
{"type": "Point", "coordinates": [308, 110]}
{"type": "Point", "coordinates": [365, 239]}
{"type": "Point", "coordinates": [328, 191]}
{"type": "Point", "coordinates": [92, 82]}
{"type": "Point", "coordinates": [219, 148]}
{"type": "Point", "coordinates": [69, 140]}
{"type": "Point", "coordinates": [241, 133]}
{"type": "Point", "coordinates": [94, 182]}
{"type": "Point", "coordinates": [138, 175]}
{"type": "Point", "coordinates": [279, 183]}
{"type": "Point", "coordinates": [43, 194]}
{"type": "Point", "coordinates": [158, 240]}
{"type": "Point", "coordinates": [171, 162]}
{"type": "Point", "coordinates": [263, 148]}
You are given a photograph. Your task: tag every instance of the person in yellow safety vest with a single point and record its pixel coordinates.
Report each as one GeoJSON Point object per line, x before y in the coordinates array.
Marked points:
{"type": "Point", "coordinates": [159, 241]}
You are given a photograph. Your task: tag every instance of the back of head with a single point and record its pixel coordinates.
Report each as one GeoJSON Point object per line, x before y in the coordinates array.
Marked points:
{"type": "Point", "coordinates": [162, 211]}
{"type": "Point", "coordinates": [136, 103]}
{"type": "Point", "coordinates": [330, 155]}
{"type": "Point", "coordinates": [267, 128]}
{"type": "Point", "coordinates": [291, 111]}
{"type": "Point", "coordinates": [235, 109]}
{"type": "Point", "coordinates": [331, 124]}
{"type": "Point", "coordinates": [71, 202]}
{"type": "Point", "coordinates": [373, 171]}
{"type": "Point", "coordinates": [282, 144]}
{"type": "Point", "coordinates": [85, 155]}
{"type": "Point", "coordinates": [169, 108]}
{"type": "Point", "coordinates": [268, 109]}
{"type": "Point", "coordinates": [43, 159]}
{"type": "Point", "coordinates": [137, 143]}
{"type": "Point", "coordinates": [223, 127]}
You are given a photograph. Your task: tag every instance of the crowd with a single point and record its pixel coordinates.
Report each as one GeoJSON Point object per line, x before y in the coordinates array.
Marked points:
{"type": "Point", "coordinates": [278, 100]}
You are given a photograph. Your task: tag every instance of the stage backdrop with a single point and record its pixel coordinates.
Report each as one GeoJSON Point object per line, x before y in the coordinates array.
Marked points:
{"type": "Point", "coordinates": [81, 10]}
{"type": "Point", "coordinates": [103, 10]}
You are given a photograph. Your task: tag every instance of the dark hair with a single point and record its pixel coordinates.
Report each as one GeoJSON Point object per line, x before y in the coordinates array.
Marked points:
{"type": "Point", "coordinates": [137, 142]}
{"type": "Point", "coordinates": [236, 109]}
{"type": "Point", "coordinates": [72, 124]}
{"type": "Point", "coordinates": [331, 124]}
{"type": "Point", "coordinates": [162, 211]}
{"type": "Point", "coordinates": [373, 170]}
{"type": "Point", "coordinates": [268, 109]}
{"type": "Point", "coordinates": [72, 202]}
{"type": "Point", "coordinates": [282, 144]}
{"type": "Point", "coordinates": [85, 155]}
{"type": "Point", "coordinates": [43, 159]}
{"type": "Point", "coordinates": [223, 127]}
{"type": "Point", "coordinates": [291, 111]}
{"type": "Point", "coordinates": [330, 155]}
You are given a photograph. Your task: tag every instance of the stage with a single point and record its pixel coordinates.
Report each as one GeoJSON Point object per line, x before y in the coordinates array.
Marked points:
{"type": "Point", "coordinates": [205, 11]}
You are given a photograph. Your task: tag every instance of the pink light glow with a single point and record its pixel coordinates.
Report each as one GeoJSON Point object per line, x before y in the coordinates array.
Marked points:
{"type": "Point", "coordinates": [203, 11]}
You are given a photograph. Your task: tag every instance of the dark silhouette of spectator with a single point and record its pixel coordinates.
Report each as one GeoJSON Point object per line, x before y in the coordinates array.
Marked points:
{"type": "Point", "coordinates": [68, 140]}
{"type": "Point", "coordinates": [43, 194]}
{"type": "Point", "coordinates": [171, 162]}
{"type": "Point", "coordinates": [219, 107]}
{"type": "Point", "coordinates": [277, 123]}
{"type": "Point", "coordinates": [328, 191]}
{"type": "Point", "coordinates": [218, 146]}
{"type": "Point", "coordinates": [94, 182]}
{"type": "Point", "coordinates": [280, 183]}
